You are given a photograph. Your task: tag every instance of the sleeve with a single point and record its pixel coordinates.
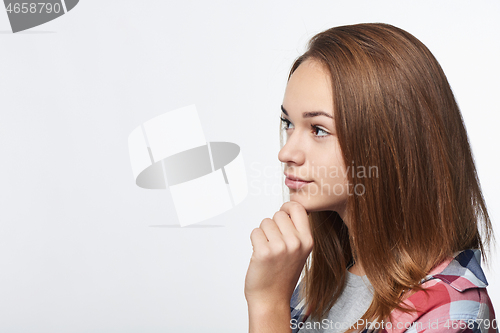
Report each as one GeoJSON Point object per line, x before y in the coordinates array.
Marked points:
{"type": "Point", "coordinates": [447, 310]}
{"type": "Point", "coordinates": [297, 309]}
{"type": "Point", "coordinates": [459, 314]}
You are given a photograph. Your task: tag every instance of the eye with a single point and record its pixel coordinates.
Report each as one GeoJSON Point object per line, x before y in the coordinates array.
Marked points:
{"type": "Point", "coordinates": [318, 130]}
{"type": "Point", "coordinates": [285, 124]}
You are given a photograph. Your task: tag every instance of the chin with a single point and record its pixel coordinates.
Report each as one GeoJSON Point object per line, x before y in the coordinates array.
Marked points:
{"type": "Point", "coordinates": [309, 204]}
{"type": "Point", "coordinates": [318, 203]}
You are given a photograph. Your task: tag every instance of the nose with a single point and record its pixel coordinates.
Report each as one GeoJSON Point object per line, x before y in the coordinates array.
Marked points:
{"type": "Point", "coordinates": [292, 152]}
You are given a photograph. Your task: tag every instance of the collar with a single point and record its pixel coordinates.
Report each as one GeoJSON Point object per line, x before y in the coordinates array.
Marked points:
{"type": "Point", "coordinates": [461, 272]}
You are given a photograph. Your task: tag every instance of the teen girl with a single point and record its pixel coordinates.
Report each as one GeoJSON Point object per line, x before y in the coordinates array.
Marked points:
{"type": "Point", "coordinates": [385, 203]}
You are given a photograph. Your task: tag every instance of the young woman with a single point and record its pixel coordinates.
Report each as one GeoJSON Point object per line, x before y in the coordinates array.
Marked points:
{"type": "Point", "coordinates": [385, 203]}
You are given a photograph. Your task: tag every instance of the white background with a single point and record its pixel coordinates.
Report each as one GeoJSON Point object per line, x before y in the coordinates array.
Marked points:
{"type": "Point", "coordinates": [80, 246]}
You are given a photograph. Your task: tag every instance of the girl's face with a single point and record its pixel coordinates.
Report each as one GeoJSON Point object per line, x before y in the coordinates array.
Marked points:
{"type": "Point", "coordinates": [312, 152]}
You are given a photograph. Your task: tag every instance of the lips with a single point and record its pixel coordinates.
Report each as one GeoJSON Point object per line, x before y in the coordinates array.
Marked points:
{"type": "Point", "coordinates": [294, 182]}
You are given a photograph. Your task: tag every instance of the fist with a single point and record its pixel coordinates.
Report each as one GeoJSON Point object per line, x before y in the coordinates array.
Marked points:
{"type": "Point", "coordinates": [281, 246]}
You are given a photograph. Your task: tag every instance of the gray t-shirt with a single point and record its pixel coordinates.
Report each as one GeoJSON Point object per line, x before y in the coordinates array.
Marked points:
{"type": "Point", "coordinates": [349, 307]}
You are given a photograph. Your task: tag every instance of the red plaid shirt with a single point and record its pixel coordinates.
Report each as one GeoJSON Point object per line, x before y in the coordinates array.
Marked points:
{"type": "Point", "coordinates": [457, 301]}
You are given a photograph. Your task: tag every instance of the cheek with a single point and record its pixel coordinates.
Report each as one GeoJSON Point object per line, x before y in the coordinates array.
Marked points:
{"type": "Point", "coordinates": [330, 189]}
{"type": "Point", "coordinates": [331, 157]}
{"type": "Point", "coordinates": [331, 170]}
{"type": "Point", "coordinates": [331, 180]}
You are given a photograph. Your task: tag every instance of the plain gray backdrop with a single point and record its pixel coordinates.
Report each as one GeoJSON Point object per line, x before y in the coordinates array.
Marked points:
{"type": "Point", "coordinates": [82, 248]}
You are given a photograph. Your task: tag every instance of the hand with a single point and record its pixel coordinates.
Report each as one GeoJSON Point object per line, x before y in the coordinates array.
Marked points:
{"type": "Point", "coordinates": [281, 246]}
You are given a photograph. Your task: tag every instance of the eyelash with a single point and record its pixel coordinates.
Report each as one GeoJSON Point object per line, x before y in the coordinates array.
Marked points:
{"type": "Point", "coordinates": [314, 127]}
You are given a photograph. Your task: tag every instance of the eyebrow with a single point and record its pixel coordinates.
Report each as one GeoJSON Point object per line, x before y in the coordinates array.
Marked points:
{"type": "Point", "coordinates": [310, 114]}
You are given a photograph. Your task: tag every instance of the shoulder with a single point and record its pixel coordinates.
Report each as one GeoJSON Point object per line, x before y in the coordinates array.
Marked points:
{"type": "Point", "coordinates": [454, 299]}
{"type": "Point", "coordinates": [442, 307]}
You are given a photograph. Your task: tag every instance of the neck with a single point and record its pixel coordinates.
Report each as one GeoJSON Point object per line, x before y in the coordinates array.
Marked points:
{"type": "Point", "coordinates": [357, 269]}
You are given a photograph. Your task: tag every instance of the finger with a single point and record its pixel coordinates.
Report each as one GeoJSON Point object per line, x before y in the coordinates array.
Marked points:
{"type": "Point", "coordinates": [293, 240]}
{"type": "Point", "coordinates": [285, 224]}
{"type": "Point", "coordinates": [298, 215]}
{"type": "Point", "coordinates": [258, 238]}
{"type": "Point", "coordinates": [272, 231]}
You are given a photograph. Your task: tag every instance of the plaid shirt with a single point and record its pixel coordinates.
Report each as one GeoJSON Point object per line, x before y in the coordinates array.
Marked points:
{"type": "Point", "coordinates": [457, 301]}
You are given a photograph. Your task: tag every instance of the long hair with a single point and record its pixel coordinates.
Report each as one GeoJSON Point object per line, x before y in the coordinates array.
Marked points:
{"type": "Point", "coordinates": [393, 110]}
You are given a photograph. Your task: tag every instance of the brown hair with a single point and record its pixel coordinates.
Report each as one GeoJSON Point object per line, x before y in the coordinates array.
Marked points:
{"type": "Point", "coordinates": [394, 109]}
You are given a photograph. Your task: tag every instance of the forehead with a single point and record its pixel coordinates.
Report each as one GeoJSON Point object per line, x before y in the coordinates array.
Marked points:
{"type": "Point", "coordinates": [309, 88]}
